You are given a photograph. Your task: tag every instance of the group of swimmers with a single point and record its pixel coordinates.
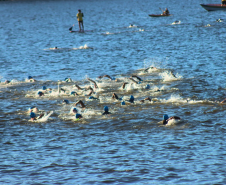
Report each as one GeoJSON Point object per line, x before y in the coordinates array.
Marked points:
{"type": "Point", "coordinates": [80, 106]}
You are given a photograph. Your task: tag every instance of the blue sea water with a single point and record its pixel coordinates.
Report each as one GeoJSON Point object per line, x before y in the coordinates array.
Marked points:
{"type": "Point", "coordinates": [129, 146]}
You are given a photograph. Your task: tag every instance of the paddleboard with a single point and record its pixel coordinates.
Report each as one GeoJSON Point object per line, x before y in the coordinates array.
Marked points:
{"type": "Point", "coordinates": [77, 31]}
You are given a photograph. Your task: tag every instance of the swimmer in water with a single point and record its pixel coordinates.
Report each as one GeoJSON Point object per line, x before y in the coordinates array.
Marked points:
{"type": "Point", "coordinates": [65, 102]}
{"type": "Point", "coordinates": [67, 80]}
{"type": "Point", "coordinates": [166, 119]}
{"type": "Point", "coordinates": [78, 116]}
{"type": "Point", "coordinates": [94, 83]}
{"type": "Point", "coordinates": [74, 93]}
{"type": "Point", "coordinates": [40, 93]}
{"type": "Point", "coordinates": [138, 78]}
{"type": "Point", "coordinates": [33, 109]}
{"type": "Point", "coordinates": [146, 70]}
{"type": "Point", "coordinates": [81, 103]}
{"type": "Point", "coordinates": [149, 99]}
{"type": "Point", "coordinates": [106, 110]}
{"type": "Point", "coordinates": [7, 82]}
{"type": "Point", "coordinates": [91, 91]}
{"type": "Point", "coordinates": [124, 85]}
{"type": "Point", "coordinates": [115, 96]}
{"type": "Point", "coordinates": [34, 117]}
{"type": "Point", "coordinates": [78, 87]}
{"type": "Point", "coordinates": [31, 79]}
{"type": "Point", "coordinates": [107, 76]}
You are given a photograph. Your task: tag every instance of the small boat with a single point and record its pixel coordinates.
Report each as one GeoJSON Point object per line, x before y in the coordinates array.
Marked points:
{"type": "Point", "coordinates": [213, 7]}
{"type": "Point", "coordinates": [159, 15]}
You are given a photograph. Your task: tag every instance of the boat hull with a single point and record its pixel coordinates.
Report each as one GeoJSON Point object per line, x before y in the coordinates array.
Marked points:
{"type": "Point", "coordinates": [213, 7]}
{"type": "Point", "coordinates": [159, 15]}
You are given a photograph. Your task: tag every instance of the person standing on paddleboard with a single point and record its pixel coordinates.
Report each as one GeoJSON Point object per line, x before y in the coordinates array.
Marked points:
{"type": "Point", "coordinates": [80, 20]}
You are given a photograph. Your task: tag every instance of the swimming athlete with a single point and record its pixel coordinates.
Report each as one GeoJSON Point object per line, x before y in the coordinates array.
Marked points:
{"type": "Point", "coordinates": [7, 81]}
{"type": "Point", "coordinates": [149, 99]}
{"type": "Point", "coordinates": [94, 83]}
{"type": "Point", "coordinates": [65, 102]}
{"type": "Point", "coordinates": [40, 93]}
{"type": "Point", "coordinates": [67, 80]}
{"type": "Point", "coordinates": [80, 20]}
{"type": "Point", "coordinates": [111, 78]}
{"type": "Point", "coordinates": [146, 70]}
{"type": "Point", "coordinates": [31, 79]}
{"type": "Point", "coordinates": [134, 76]}
{"type": "Point", "coordinates": [91, 91]}
{"type": "Point", "coordinates": [106, 110]}
{"type": "Point", "coordinates": [78, 116]}
{"type": "Point", "coordinates": [115, 96]}
{"type": "Point", "coordinates": [81, 103]}
{"type": "Point", "coordinates": [166, 118]}
{"type": "Point", "coordinates": [34, 117]}
{"type": "Point", "coordinates": [78, 87]}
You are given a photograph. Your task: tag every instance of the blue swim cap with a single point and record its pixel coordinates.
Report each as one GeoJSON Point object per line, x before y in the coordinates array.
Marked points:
{"type": "Point", "coordinates": [43, 87]}
{"type": "Point", "coordinates": [106, 109]}
{"type": "Point", "coordinates": [32, 115]}
{"type": "Point", "coordinates": [75, 110]}
{"type": "Point", "coordinates": [91, 97]}
{"type": "Point", "coordinates": [78, 116]}
{"type": "Point", "coordinates": [32, 107]}
{"type": "Point", "coordinates": [72, 92]}
{"type": "Point", "coordinates": [40, 93]}
{"type": "Point", "coordinates": [66, 101]}
{"type": "Point", "coordinates": [147, 86]}
{"type": "Point", "coordinates": [139, 82]}
{"type": "Point", "coordinates": [29, 77]}
{"type": "Point", "coordinates": [112, 78]}
{"type": "Point", "coordinates": [123, 103]}
{"type": "Point", "coordinates": [165, 117]}
{"type": "Point", "coordinates": [131, 99]}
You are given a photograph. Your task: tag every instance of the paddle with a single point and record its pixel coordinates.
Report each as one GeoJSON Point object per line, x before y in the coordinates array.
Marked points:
{"type": "Point", "coordinates": [161, 10]}
{"type": "Point", "coordinates": [71, 27]}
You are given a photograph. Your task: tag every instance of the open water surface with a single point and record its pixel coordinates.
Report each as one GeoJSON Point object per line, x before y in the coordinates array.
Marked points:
{"type": "Point", "coordinates": [129, 146]}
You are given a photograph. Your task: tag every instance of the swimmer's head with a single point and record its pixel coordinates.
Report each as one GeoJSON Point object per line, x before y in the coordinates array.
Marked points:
{"type": "Point", "coordinates": [73, 92]}
{"type": "Point", "coordinates": [33, 109]}
{"type": "Point", "coordinates": [40, 93]}
{"type": "Point", "coordinates": [78, 116]}
{"type": "Point", "coordinates": [66, 101]}
{"type": "Point", "coordinates": [91, 97]}
{"type": "Point", "coordinates": [75, 110]}
{"type": "Point", "coordinates": [113, 78]}
{"type": "Point", "coordinates": [131, 99]}
{"type": "Point", "coordinates": [106, 109]}
{"type": "Point", "coordinates": [29, 77]}
{"type": "Point", "coordinates": [165, 117]}
{"type": "Point", "coordinates": [32, 115]}
{"type": "Point", "coordinates": [43, 87]}
{"type": "Point", "coordinates": [147, 86]}
{"type": "Point", "coordinates": [123, 103]}
{"type": "Point", "coordinates": [55, 47]}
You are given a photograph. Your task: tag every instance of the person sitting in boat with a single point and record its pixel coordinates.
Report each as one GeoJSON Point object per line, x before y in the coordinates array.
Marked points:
{"type": "Point", "coordinates": [223, 2]}
{"type": "Point", "coordinates": [166, 12]}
